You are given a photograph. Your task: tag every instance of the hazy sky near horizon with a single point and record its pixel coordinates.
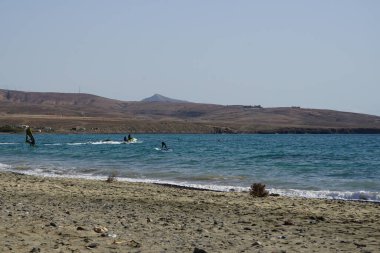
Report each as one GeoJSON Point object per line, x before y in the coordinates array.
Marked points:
{"type": "Point", "coordinates": [315, 54]}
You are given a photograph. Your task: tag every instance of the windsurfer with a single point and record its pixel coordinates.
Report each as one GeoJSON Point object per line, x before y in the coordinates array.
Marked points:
{"type": "Point", "coordinates": [29, 137]}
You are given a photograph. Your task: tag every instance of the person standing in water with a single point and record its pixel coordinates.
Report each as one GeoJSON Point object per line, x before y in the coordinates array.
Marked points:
{"type": "Point", "coordinates": [163, 146]}
{"type": "Point", "coordinates": [29, 137]}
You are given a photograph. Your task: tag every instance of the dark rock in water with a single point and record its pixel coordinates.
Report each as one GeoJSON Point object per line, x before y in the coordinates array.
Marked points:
{"type": "Point", "coordinates": [196, 250]}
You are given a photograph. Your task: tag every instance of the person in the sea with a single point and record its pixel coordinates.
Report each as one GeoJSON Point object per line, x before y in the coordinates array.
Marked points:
{"type": "Point", "coordinates": [163, 145]}
{"type": "Point", "coordinates": [129, 138]}
{"type": "Point", "coordinates": [29, 137]}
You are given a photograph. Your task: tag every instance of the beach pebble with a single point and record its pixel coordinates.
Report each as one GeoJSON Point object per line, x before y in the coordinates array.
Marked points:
{"type": "Point", "coordinates": [317, 218]}
{"type": "Point", "coordinates": [288, 223]}
{"type": "Point", "coordinates": [35, 250]}
{"type": "Point", "coordinates": [53, 224]}
{"type": "Point", "coordinates": [93, 245]}
{"type": "Point", "coordinates": [112, 235]}
{"type": "Point", "coordinates": [197, 250]}
{"type": "Point", "coordinates": [108, 235]}
{"type": "Point", "coordinates": [86, 239]}
{"type": "Point", "coordinates": [100, 229]}
{"type": "Point", "coordinates": [360, 245]}
{"type": "Point", "coordinates": [124, 224]}
{"type": "Point", "coordinates": [81, 228]}
{"type": "Point", "coordinates": [257, 243]}
{"type": "Point", "coordinates": [134, 244]}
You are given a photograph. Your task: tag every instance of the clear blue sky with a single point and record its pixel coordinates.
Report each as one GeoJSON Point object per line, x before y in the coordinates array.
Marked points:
{"type": "Point", "coordinates": [315, 54]}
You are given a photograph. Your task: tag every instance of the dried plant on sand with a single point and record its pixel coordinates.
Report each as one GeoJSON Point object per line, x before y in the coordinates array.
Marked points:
{"type": "Point", "coordinates": [258, 190]}
{"type": "Point", "coordinates": [112, 177]}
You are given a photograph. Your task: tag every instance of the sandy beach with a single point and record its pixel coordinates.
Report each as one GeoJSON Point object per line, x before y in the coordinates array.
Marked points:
{"type": "Point", "coordinates": [72, 215]}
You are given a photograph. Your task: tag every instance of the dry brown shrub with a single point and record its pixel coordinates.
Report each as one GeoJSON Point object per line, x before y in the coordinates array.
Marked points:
{"type": "Point", "coordinates": [258, 190]}
{"type": "Point", "coordinates": [112, 177]}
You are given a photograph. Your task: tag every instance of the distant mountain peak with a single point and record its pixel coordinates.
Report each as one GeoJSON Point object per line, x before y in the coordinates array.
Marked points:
{"type": "Point", "coordinates": [160, 98]}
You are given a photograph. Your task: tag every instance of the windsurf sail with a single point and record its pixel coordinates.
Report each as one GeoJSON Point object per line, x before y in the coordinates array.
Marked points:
{"type": "Point", "coordinates": [29, 137]}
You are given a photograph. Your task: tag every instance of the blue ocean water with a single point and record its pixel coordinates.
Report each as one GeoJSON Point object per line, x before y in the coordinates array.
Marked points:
{"type": "Point", "coordinates": [322, 166]}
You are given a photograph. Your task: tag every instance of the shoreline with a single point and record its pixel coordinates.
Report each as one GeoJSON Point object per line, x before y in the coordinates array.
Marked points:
{"type": "Point", "coordinates": [360, 196]}
{"type": "Point", "coordinates": [42, 214]}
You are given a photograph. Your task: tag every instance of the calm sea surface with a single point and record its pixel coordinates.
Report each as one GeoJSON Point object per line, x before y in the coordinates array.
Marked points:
{"type": "Point", "coordinates": [325, 166]}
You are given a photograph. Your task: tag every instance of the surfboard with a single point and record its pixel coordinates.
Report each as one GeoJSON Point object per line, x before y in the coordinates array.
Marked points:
{"type": "Point", "coordinates": [133, 140]}
{"type": "Point", "coordinates": [164, 149]}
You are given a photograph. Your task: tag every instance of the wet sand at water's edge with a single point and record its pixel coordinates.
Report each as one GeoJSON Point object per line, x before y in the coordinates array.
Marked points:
{"type": "Point", "coordinates": [61, 215]}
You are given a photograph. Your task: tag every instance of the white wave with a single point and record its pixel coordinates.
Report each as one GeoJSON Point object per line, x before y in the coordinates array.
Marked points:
{"type": "Point", "coordinates": [102, 143]}
{"type": "Point", "coordinates": [107, 142]}
{"type": "Point", "coordinates": [53, 144]}
{"type": "Point", "coordinates": [8, 143]}
{"type": "Point", "coordinates": [342, 195]}
{"type": "Point", "coordinates": [134, 141]}
{"type": "Point", "coordinates": [164, 150]}
{"type": "Point", "coordinates": [4, 166]}
{"type": "Point", "coordinates": [78, 143]}
{"type": "Point", "coordinates": [186, 184]}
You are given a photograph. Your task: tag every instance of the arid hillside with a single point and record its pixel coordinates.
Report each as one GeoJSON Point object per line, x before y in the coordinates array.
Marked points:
{"type": "Point", "coordinates": [65, 112]}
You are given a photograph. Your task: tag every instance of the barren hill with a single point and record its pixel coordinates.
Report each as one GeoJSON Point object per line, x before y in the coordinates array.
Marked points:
{"type": "Point", "coordinates": [65, 111]}
{"type": "Point", "coordinates": [160, 98]}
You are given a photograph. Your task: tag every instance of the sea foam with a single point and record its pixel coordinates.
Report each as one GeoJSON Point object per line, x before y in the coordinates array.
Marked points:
{"type": "Point", "coordinates": [4, 166]}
